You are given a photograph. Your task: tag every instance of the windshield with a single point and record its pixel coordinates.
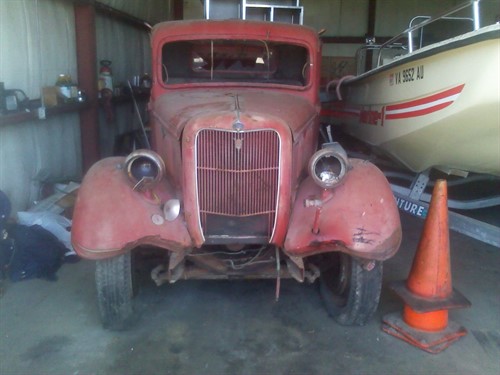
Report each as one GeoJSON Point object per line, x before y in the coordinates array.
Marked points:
{"type": "Point", "coordinates": [234, 61]}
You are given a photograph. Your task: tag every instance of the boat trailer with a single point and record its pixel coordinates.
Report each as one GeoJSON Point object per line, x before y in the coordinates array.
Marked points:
{"type": "Point", "coordinates": [415, 201]}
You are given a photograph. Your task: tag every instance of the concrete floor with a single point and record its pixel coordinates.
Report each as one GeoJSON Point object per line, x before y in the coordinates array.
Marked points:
{"type": "Point", "coordinates": [195, 327]}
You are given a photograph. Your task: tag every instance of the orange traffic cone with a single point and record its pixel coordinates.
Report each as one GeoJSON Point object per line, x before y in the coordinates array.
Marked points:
{"type": "Point", "coordinates": [427, 293]}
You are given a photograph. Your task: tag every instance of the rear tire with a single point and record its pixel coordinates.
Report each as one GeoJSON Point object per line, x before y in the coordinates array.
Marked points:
{"type": "Point", "coordinates": [350, 292]}
{"type": "Point", "coordinates": [115, 291]}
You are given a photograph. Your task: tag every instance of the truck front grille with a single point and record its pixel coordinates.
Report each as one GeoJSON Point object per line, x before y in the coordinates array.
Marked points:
{"type": "Point", "coordinates": [237, 184]}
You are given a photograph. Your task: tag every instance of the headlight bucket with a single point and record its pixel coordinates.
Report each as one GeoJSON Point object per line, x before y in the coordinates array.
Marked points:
{"type": "Point", "coordinates": [145, 168]}
{"type": "Point", "coordinates": [329, 165]}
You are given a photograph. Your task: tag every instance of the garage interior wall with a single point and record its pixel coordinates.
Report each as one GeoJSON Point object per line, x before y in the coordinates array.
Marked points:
{"type": "Point", "coordinates": [37, 43]}
{"type": "Point", "coordinates": [128, 48]}
{"type": "Point", "coordinates": [350, 17]}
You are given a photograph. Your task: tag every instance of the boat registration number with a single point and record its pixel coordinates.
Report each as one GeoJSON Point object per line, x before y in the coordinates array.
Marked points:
{"type": "Point", "coordinates": [411, 74]}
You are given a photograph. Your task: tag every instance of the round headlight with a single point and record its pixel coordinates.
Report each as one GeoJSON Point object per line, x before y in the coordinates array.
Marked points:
{"type": "Point", "coordinates": [329, 166]}
{"type": "Point", "coordinates": [144, 168]}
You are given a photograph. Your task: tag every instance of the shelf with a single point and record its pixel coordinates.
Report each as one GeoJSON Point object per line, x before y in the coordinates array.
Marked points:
{"type": "Point", "coordinates": [32, 115]}
{"type": "Point", "coordinates": [273, 13]}
{"type": "Point", "coordinates": [140, 94]}
{"type": "Point", "coordinates": [288, 15]}
{"type": "Point", "coordinates": [283, 3]}
{"type": "Point", "coordinates": [288, 11]}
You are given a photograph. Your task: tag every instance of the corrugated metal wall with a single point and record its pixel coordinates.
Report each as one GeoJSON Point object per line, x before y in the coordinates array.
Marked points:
{"type": "Point", "coordinates": [152, 11]}
{"type": "Point", "coordinates": [37, 43]}
{"type": "Point", "coordinates": [128, 49]}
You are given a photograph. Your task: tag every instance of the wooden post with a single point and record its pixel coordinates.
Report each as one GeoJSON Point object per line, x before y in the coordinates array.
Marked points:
{"type": "Point", "coordinates": [178, 10]}
{"type": "Point", "coordinates": [86, 55]}
{"type": "Point", "coordinates": [370, 32]}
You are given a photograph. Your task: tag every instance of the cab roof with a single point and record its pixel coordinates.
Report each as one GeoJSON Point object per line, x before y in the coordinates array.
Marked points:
{"type": "Point", "coordinates": [234, 29]}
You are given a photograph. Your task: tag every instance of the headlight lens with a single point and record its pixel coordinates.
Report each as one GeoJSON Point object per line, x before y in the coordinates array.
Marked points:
{"type": "Point", "coordinates": [329, 165]}
{"type": "Point", "coordinates": [144, 168]}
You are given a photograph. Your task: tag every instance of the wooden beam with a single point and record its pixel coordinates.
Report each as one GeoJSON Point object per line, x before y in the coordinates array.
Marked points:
{"type": "Point", "coordinates": [86, 57]}
{"type": "Point", "coordinates": [372, 8]}
{"type": "Point", "coordinates": [116, 14]}
{"type": "Point", "coordinates": [370, 33]}
{"type": "Point", "coordinates": [178, 10]}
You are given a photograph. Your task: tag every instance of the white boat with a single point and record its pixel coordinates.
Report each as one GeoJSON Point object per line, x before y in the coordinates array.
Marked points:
{"type": "Point", "coordinates": [435, 106]}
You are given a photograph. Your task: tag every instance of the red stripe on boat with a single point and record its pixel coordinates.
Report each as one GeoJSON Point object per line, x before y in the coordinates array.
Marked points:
{"type": "Point", "coordinates": [426, 100]}
{"type": "Point", "coordinates": [417, 113]}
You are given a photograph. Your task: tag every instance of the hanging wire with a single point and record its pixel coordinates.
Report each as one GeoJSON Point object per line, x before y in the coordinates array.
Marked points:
{"type": "Point", "coordinates": [211, 60]}
{"type": "Point", "coordinates": [268, 59]}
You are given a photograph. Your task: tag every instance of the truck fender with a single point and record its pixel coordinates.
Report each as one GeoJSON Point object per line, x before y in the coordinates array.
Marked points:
{"type": "Point", "coordinates": [358, 217]}
{"type": "Point", "coordinates": [111, 218]}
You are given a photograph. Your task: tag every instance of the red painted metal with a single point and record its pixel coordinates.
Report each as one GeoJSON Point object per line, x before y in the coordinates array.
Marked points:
{"type": "Point", "coordinates": [236, 185]}
{"type": "Point", "coordinates": [359, 217]}
{"type": "Point", "coordinates": [258, 115]}
{"type": "Point", "coordinates": [110, 218]}
{"type": "Point", "coordinates": [176, 108]}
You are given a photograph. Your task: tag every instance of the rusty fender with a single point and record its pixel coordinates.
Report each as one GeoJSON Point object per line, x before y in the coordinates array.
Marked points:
{"type": "Point", "coordinates": [111, 218]}
{"type": "Point", "coordinates": [358, 217]}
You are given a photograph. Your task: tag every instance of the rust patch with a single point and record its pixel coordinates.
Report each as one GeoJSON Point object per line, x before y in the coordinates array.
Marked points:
{"type": "Point", "coordinates": [361, 236]}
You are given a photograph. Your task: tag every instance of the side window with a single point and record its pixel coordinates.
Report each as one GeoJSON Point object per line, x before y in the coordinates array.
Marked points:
{"type": "Point", "coordinates": [176, 64]}
{"type": "Point", "coordinates": [293, 65]}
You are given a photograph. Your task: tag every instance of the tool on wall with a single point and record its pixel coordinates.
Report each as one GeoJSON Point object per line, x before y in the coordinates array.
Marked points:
{"type": "Point", "coordinates": [105, 86]}
{"type": "Point", "coordinates": [12, 100]}
{"type": "Point", "coordinates": [105, 76]}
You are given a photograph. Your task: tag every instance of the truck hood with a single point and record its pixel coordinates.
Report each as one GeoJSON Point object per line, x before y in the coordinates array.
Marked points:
{"type": "Point", "coordinates": [174, 110]}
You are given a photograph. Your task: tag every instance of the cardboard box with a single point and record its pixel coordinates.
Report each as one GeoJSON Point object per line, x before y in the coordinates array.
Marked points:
{"type": "Point", "coordinates": [49, 96]}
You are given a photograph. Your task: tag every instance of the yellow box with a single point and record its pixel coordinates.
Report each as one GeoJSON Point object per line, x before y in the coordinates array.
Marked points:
{"type": "Point", "coordinates": [49, 96]}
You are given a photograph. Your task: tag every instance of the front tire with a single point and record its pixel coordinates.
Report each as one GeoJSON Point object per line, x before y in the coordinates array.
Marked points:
{"type": "Point", "coordinates": [350, 291]}
{"type": "Point", "coordinates": [115, 291]}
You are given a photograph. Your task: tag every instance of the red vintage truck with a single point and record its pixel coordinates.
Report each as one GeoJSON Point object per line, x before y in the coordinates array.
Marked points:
{"type": "Point", "coordinates": [238, 183]}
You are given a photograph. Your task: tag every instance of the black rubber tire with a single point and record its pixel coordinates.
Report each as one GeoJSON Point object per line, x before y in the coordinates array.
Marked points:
{"type": "Point", "coordinates": [350, 292]}
{"type": "Point", "coordinates": [115, 291]}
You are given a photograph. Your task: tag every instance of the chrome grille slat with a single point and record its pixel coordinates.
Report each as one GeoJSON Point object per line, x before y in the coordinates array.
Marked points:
{"type": "Point", "coordinates": [234, 184]}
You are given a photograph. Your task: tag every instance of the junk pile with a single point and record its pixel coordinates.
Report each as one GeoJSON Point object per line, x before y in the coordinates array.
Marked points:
{"type": "Point", "coordinates": [35, 246]}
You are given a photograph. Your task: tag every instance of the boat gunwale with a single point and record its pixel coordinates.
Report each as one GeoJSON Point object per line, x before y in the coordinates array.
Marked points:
{"type": "Point", "coordinates": [473, 37]}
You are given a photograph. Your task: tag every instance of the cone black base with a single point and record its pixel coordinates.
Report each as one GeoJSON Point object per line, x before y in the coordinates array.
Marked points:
{"type": "Point", "coordinates": [431, 342]}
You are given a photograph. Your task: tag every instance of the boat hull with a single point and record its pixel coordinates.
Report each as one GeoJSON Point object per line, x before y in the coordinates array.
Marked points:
{"type": "Point", "coordinates": [437, 107]}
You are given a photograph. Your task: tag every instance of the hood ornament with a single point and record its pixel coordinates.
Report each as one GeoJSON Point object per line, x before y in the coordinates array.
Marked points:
{"type": "Point", "coordinates": [237, 124]}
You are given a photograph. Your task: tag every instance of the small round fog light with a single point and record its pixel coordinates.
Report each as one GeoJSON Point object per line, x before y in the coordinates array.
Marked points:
{"type": "Point", "coordinates": [172, 209]}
